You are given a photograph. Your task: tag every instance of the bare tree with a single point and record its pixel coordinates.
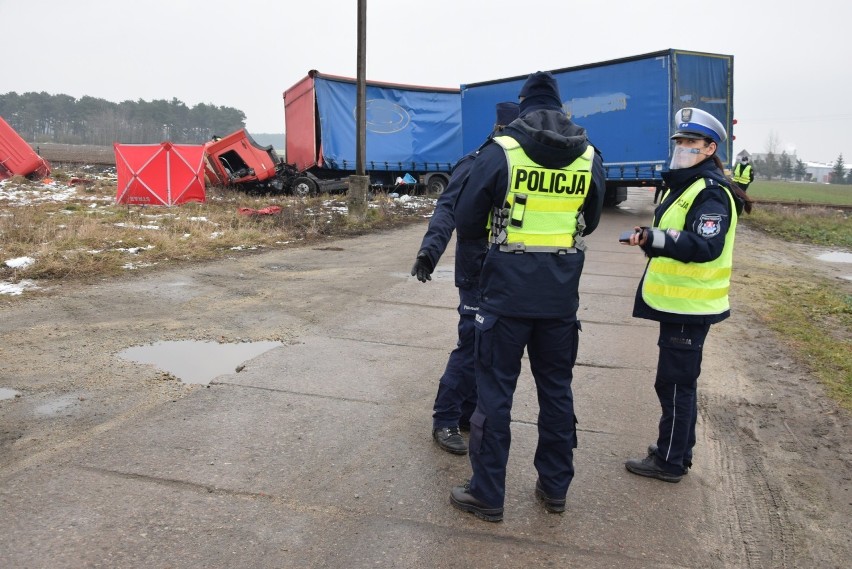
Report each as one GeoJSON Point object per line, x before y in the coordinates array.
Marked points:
{"type": "Point", "coordinates": [770, 166]}
{"type": "Point", "coordinates": [772, 143]}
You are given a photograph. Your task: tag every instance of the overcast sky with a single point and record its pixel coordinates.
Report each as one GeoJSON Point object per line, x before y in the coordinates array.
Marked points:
{"type": "Point", "coordinates": [791, 58]}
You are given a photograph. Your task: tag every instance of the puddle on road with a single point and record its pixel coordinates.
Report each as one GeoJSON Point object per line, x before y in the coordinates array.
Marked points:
{"type": "Point", "coordinates": [57, 406]}
{"type": "Point", "coordinates": [836, 257]}
{"type": "Point", "coordinates": [8, 393]}
{"type": "Point", "coordinates": [195, 361]}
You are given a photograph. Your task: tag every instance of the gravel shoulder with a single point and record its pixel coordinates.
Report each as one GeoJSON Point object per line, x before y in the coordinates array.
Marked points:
{"type": "Point", "coordinates": [785, 453]}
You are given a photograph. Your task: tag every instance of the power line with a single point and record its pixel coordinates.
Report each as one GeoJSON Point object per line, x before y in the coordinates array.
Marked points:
{"type": "Point", "coordinates": [833, 118]}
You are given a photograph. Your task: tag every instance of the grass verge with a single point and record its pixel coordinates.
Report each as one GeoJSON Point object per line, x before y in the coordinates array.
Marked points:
{"type": "Point", "coordinates": [815, 225]}
{"type": "Point", "coordinates": [810, 313]}
{"type": "Point", "coordinates": [817, 326]}
{"type": "Point", "coordinates": [804, 192]}
{"type": "Point", "coordinates": [77, 233]}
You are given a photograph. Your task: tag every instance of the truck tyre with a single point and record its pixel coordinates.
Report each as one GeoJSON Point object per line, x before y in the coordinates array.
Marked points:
{"type": "Point", "coordinates": [437, 185]}
{"type": "Point", "coordinates": [615, 195]}
{"type": "Point", "coordinates": [304, 187]}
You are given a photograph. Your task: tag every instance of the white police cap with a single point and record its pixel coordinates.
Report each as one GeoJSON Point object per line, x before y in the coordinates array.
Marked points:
{"type": "Point", "coordinates": [695, 123]}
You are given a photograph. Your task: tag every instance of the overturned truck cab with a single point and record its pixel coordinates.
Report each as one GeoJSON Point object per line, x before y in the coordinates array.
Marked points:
{"type": "Point", "coordinates": [237, 160]}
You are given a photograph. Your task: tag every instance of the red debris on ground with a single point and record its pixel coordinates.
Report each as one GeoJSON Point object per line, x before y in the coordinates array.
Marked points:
{"type": "Point", "coordinates": [268, 210]}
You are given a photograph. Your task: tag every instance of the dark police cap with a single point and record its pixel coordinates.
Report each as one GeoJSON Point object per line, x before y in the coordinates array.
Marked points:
{"type": "Point", "coordinates": [507, 112]}
{"type": "Point", "coordinates": [541, 86]}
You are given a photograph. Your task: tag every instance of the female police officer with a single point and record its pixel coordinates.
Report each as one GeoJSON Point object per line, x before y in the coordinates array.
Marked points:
{"type": "Point", "coordinates": [686, 281]}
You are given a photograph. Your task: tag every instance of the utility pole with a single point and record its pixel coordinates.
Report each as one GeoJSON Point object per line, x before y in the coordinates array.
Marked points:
{"type": "Point", "coordinates": [360, 182]}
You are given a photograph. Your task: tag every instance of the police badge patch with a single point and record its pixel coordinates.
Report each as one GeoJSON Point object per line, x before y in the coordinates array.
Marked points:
{"type": "Point", "coordinates": [709, 225]}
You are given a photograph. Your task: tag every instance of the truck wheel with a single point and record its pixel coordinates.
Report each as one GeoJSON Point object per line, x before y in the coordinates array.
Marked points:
{"type": "Point", "coordinates": [615, 195]}
{"type": "Point", "coordinates": [304, 187]}
{"type": "Point", "coordinates": [437, 185]}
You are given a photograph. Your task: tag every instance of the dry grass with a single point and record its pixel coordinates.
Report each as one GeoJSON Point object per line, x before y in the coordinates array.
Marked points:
{"type": "Point", "coordinates": [87, 235]}
{"type": "Point", "coordinates": [817, 225]}
{"type": "Point", "coordinates": [817, 326]}
{"type": "Point", "coordinates": [811, 314]}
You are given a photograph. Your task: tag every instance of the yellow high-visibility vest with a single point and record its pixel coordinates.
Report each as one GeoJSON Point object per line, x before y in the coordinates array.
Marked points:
{"type": "Point", "coordinates": [542, 204]}
{"type": "Point", "coordinates": [690, 288]}
{"type": "Point", "coordinates": [742, 173]}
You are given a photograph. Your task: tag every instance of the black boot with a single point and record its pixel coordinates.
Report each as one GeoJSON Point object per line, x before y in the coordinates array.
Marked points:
{"type": "Point", "coordinates": [461, 498]}
{"type": "Point", "coordinates": [648, 467]}
{"type": "Point", "coordinates": [552, 505]}
{"type": "Point", "coordinates": [449, 439]}
{"type": "Point", "coordinates": [687, 464]}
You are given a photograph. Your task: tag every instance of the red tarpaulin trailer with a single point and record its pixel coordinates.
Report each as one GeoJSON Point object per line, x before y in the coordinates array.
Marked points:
{"type": "Point", "coordinates": [17, 157]}
{"type": "Point", "coordinates": [159, 174]}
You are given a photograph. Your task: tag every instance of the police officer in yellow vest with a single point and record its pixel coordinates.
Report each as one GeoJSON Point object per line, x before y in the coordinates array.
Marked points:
{"type": "Point", "coordinates": [743, 173]}
{"type": "Point", "coordinates": [685, 286]}
{"type": "Point", "coordinates": [535, 191]}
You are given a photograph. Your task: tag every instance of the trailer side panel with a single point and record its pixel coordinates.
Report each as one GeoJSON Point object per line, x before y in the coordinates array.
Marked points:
{"type": "Point", "coordinates": [302, 144]}
{"type": "Point", "coordinates": [625, 105]}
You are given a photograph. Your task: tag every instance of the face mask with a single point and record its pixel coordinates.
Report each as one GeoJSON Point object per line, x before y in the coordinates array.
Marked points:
{"type": "Point", "coordinates": [684, 157]}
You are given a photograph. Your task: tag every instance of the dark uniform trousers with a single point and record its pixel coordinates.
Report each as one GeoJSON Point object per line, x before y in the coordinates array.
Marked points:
{"type": "Point", "coordinates": [551, 345]}
{"type": "Point", "coordinates": [676, 385]}
{"type": "Point", "coordinates": [456, 397]}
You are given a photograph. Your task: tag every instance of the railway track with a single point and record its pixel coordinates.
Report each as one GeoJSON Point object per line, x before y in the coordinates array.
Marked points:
{"type": "Point", "coordinates": [803, 205]}
{"type": "Point", "coordinates": [76, 155]}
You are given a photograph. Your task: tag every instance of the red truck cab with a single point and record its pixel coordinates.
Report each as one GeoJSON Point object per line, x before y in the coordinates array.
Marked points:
{"type": "Point", "coordinates": [17, 158]}
{"type": "Point", "coordinates": [238, 159]}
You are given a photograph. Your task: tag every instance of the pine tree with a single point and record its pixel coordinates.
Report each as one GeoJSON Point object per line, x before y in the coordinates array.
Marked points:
{"type": "Point", "coordinates": [800, 171]}
{"type": "Point", "coordinates": [785, 166]}
{"type": "Point", "coordinates": [838, 173]}
{"type": "Point", "coordinates": [771, 168]}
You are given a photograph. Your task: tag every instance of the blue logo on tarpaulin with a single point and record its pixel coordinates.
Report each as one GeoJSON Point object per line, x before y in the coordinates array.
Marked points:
{"type": "Point", "coordinates": [385, 117]}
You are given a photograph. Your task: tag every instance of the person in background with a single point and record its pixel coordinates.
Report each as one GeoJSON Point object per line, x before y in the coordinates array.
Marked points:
{"type": "Point", "coordinates": [534, 191]}
{"type": "Point", "coordinates": [685, 286]}
{"type": "Point", "coordinates": [743, 173]}
{"type": "Point", "coordinates": [456, 396]}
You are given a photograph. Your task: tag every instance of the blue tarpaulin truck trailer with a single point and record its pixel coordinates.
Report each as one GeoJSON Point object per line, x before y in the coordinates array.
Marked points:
{"type": "Point", "coordinates": [410, 130]}
{"type": "Point", "coordinates": [627, 107]}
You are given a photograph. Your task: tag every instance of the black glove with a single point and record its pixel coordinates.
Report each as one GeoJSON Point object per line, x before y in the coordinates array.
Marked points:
{"type": "Point", "coordinates": [646, 246]}
{"type": "Point", "coordinates": [422, 268]}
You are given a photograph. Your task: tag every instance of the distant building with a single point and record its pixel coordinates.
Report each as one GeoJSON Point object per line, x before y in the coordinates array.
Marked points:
{"type": "Point", "coordinates": [818, 172]}
{"type": "Point", "coordinates": [742, 153]}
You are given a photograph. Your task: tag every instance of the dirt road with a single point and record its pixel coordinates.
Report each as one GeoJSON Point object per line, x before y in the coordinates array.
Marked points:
{"type": "Point", "coordinates": [773, 488]}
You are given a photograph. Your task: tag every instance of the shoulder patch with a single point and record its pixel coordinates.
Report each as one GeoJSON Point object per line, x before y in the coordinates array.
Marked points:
{"type": "Point", "coordinates": [709, 225]}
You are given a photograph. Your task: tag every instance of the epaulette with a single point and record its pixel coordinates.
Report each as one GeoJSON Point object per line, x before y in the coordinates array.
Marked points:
{"type": "Point", "coordinates": [739, 203]}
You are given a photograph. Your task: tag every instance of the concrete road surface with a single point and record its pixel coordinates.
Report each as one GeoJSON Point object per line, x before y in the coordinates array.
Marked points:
{"type": "Point", "coordinates": [318, 453]}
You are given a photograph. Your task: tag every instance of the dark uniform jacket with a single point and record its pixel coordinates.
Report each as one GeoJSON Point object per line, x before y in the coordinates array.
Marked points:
{"type": "Point", "coordinates": [691, 246]}
{"type": "Point", "coordinates": [469, 252]}
{"type": "Point", "coordinates": [534, 285]}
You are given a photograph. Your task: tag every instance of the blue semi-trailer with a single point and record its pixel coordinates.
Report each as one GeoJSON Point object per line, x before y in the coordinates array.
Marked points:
{"type": "Point", "coordinates": [411, 130]}
{"type": "Point", "coordinates": [627, 107]}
